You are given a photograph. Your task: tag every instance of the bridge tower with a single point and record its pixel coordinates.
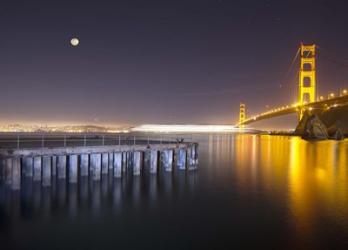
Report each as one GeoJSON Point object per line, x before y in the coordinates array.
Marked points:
{"type": "Point", "coordinates": [307, 78]}
{"type": "Point", "coordinates": [242, 114]}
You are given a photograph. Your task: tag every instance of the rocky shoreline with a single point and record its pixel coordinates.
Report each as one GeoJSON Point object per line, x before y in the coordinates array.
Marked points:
{"type": "Point", "coordinates": [323, 125]}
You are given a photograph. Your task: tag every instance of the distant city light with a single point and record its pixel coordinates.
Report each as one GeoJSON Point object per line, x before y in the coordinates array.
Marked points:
{"type": "Point", "coordinates": [331, 95]}
{"type": "Point", "coordinates": [27, 128]}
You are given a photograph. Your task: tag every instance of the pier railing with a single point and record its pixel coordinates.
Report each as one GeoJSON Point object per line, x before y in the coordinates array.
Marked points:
{"type": "Point", "coordinates": [26, 140]}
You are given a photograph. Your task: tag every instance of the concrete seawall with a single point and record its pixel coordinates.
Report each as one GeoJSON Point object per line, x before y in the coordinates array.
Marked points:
{"type": "Point", "coordinates": [46, 165]}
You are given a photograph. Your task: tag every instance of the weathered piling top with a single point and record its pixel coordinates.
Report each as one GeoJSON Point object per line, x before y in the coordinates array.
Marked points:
{"type": "Point", "coordinates": [48, 151]}
{"type": "Point", "coordinates": [51, 144]}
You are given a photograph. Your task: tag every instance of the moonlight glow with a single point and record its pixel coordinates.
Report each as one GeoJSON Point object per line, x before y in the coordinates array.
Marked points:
{"type": "Point", "coordinates": [74, 41]}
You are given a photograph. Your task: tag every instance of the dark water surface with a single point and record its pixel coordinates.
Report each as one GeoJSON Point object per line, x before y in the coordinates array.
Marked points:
{"type": "Point", "coordinates": [265, 192]}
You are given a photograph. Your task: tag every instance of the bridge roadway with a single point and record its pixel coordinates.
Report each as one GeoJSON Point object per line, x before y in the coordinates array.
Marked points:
{"type": "Point", "coordinates": [285, 110]}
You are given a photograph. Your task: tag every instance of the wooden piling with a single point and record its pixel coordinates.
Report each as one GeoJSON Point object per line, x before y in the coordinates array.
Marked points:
{"type": "Point", "coordinates": [96, 166]}
{"type": "Point", "coordinates": [118, 164]}
{"type": "Point", "coordinates": [153, 161]}
{"type": "Point", "coordinates": [28, 166]}
{"type": "Point", "coordinates": [181, 161]}
{"type": "Point", "coordinates": [105, 163]}
{"type": "Point", "coordinates": [73, 169]}
{"type": "Point", "coordinates": [137, 163]}
{"type": "Point", "coordinates": [16, 173]}
{"type": "Point", "coordinates": [84, 163]}
{"type": "Point", "coordinates": [37, 168]}
{"type": "Point", "coordinates": [46, 171]}
{"type": "Point", "coordinates": [61, 166]}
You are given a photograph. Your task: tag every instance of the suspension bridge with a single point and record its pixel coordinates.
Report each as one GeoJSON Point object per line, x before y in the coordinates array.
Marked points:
{"type": "Point", "coordinates": [308, 100]}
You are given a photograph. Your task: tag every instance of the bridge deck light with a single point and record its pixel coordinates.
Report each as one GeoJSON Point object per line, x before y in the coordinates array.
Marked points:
{"type": "Point", "coordinates": [331, 95]}
{"type": "Point", "coordinates": [344, 92]}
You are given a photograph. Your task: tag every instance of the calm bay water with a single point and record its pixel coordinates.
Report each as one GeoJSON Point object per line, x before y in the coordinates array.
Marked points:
{"type": "Point", "coordinates": [249, 191]}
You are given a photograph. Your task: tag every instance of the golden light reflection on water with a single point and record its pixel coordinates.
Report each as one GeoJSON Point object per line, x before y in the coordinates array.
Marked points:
{"type": "Point", "coordinates": [318, 187]}
{"type": "Point", "coordinates": [310, 178]}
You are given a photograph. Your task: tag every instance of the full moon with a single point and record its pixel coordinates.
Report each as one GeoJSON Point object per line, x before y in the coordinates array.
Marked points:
{"type": "Point", "coordinates": [74, 41]}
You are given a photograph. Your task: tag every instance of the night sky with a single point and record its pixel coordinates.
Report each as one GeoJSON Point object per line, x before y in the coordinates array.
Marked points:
{"type": "Point", "coordinates": [161, 61]}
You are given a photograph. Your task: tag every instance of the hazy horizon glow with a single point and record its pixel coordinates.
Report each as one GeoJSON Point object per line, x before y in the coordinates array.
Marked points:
{"type": "Point", "coordinates": [187, 128]}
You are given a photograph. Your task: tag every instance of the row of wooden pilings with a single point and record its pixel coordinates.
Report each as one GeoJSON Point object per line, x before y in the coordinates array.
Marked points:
{"type": "Point", "coordinates": [46, 165]}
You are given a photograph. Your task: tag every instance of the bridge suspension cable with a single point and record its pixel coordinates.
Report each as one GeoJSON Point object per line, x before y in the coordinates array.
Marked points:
{"type": "Point", "coordinates": [289, 82]}
{"type": "Point", "coordinates": [328, 56]}
{"type": "Point", "coordinates": [292, 64]}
